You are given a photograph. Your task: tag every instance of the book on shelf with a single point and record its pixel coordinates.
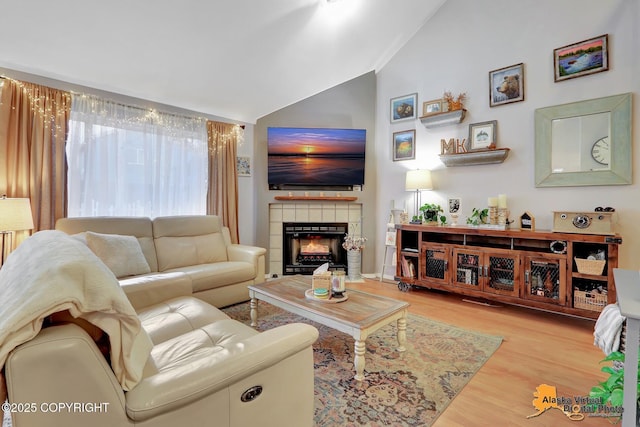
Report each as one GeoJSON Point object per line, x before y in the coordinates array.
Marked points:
{"type": "Point", "coordinates": [405, 267]}
{"type": "Point", "coordinates": [408, 268]}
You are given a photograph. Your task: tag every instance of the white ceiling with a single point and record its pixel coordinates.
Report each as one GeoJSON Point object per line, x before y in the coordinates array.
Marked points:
{"type": "Point", "coordinates": [238, 59]}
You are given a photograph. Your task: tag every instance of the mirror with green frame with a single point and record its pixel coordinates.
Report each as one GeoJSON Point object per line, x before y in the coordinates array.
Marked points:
{"type": "Point", "coordinates": [584, 143]}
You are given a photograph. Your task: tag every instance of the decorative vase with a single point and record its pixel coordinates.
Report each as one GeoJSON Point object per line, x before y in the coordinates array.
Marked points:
{"type": "Point", "coordinates": [354, 260]}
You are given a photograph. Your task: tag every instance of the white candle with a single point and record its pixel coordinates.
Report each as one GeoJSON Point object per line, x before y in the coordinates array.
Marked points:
{"type": "Point", "coordinates": [493, 201]}
{"type": "Point", "coordinates": [502, 200]}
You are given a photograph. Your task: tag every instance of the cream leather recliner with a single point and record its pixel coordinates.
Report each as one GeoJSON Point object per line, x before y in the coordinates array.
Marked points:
{"type": "Point", "coordinates": [204, 368]}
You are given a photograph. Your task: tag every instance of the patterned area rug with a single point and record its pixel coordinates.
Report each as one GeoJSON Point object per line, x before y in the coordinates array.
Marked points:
{"type": "Point", "coordinates": [400, 389]}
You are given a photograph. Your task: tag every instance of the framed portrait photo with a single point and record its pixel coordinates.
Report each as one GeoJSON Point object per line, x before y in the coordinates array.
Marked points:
{"type": "Point", "coordinates": [432, 107]}
{"type": "Point", "coordinates": [506, 85]}
{"type": "Point", "coordinates": [482, 136]}
{"type": "Point", "coordinates": [404, 107]}
{"type": "Point", "coordinates": [581, 59]}
{"type": "Point", "coordinates": [404, 145]}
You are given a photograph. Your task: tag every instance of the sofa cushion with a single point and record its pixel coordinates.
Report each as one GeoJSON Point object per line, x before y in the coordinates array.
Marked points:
{"type": "Point", "coordinates": [149, 289]}
{"type": "Point", "coordinates": [122, 254]}
{"type": "Point", "coordinates": [181, 251]}
{"type": "Point", "coordinates": [214, 336]}
{"type": "Point", "coordinates": [219, 274]}
{"type": "Point", "coordinates": [177, 316]}
{"type": "Point", "coordinates": [140, 227]}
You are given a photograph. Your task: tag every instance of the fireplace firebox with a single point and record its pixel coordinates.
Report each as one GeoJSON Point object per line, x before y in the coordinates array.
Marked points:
{"type": "Point", "coordinates": [307, 245]}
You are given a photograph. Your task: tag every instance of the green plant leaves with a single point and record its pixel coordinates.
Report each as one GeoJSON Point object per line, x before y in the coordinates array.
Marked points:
{"type": "Point", "coordinates": [612, 389]}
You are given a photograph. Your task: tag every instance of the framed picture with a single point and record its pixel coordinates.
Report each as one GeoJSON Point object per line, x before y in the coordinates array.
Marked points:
{"type": "Point", "coordinates": [390, 238]}
{"type": "Point", "coordinates": [244, 166]}
{"type": "Point", "coordinates": [454, 204]}
{"type": "Point", "coordinates": [404, 107]}
{"type": "Point", "coordinates": [404, 145]}
{"type": "Point", "coordinates": [482, 136]}
{"type": "Point", "coordinates": [432, 107]}
{"type": "Point", "coordinates": [581, 59]}
{"type": "Point", "coordinates": [506, 85]}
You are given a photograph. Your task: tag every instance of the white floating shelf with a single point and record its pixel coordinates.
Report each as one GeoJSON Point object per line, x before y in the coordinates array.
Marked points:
{"type": "Point", "coordinates": [443, 119]}
{"type": "Point", "coordinates": [471, 158]}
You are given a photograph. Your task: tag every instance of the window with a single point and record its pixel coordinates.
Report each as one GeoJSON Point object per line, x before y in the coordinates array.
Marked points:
{"type": "Point", "coordinates": [127, 161]}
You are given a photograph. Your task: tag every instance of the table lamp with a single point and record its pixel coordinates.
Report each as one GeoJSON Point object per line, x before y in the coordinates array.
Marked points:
{"type": "Point", "coordinates": [15, 215]}
{"type": "Point", "coordinates": [418, 181]}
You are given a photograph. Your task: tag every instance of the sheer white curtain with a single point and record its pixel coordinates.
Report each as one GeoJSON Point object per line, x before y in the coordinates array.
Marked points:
{"type": "Point", "coordinates": [128, 161]}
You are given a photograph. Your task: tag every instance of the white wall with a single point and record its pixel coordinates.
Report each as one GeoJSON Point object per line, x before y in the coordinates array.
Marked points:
{"type": "Point", "coordinates": [246, 192]}
{"type": "Point", "coordinates": [455, 50]}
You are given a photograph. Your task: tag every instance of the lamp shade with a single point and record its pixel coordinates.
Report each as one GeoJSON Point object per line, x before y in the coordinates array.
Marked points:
{"type": "Point", "coordinates": [15, 214]}
{"type": "Point", "coordinates": [418, 180]}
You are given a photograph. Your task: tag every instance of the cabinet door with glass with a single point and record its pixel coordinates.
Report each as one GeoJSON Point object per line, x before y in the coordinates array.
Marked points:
{"type": "Point", "coordinates": [502, 273]}
{"type": "Point", "coordinates": [545, 279]}
{"type": "Point", "coordinates": [467, 268]}
{"type": "Point", "coordinates": [435, 267]}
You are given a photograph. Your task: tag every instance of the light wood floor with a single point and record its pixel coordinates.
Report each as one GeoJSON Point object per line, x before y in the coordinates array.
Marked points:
{"type": "Point", "coordinates": [538, 348]}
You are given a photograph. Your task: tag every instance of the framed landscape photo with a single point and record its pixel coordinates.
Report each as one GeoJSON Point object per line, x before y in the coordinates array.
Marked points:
{"type": "Point", "coordinates": [404, 107]}
{"type": "Point", "coordinates": [482, 136]}
{"type": "Point", "coordinates": [432, 107]}
{"type": "Point", "coordinates": [581, 59]}
{"type": "Point", "coordinates": [404, 145]}
{"type": "Point", "coordinates": [506, 85]}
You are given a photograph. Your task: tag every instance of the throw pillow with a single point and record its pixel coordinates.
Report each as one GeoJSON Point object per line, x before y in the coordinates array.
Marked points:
{"type": "Point", "coordinates": [122, 254]}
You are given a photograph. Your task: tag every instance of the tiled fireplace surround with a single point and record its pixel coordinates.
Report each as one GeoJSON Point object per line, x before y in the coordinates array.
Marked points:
{"type": "Point", "coordinates": [307, 212]}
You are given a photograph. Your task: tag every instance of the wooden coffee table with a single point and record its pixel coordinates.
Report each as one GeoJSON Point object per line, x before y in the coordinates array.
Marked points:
{"type": "Point", "coordinates": [359, 316]}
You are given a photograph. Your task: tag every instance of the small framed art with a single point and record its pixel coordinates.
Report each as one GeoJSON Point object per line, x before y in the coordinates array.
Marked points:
{"type": "Point", "coordinates": [506, 85]}
{"type": "Point", "coordinates": [482, 136]}
{"type": "Point", "coordinates": [244, 166]}
{"type": "Point", "coordinates": [404, 107]}
{"type": "Point", "coordinates": [432, 107]}
{"type": "Point", "coordinates": [580, 59]}
{"type": "Point", "coordinates": [404, 145]}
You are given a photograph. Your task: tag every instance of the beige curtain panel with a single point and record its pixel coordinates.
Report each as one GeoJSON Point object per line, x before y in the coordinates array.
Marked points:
{"type": "Point", "coordinates": [33, 129]}
{"type": "Point", "coordinates": [222, 196]}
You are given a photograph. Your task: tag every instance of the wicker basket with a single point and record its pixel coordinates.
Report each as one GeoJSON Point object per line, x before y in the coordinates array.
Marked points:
{"type": "Point", "coordinates": [594, 301]}
{"type": "Point", "coordinates": [590, 266]}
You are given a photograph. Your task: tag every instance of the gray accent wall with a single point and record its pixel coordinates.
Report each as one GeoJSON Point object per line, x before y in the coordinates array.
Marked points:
{"type": "Point", "coordinates": [349, 105]}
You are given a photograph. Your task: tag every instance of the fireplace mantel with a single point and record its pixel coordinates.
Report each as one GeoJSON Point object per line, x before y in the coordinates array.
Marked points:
{"type": "Point", "coordinates": [318, 198]}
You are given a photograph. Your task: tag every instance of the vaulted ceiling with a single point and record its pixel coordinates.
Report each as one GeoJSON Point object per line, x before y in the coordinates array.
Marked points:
{"type": "Point", "coordinates": [238, 59]}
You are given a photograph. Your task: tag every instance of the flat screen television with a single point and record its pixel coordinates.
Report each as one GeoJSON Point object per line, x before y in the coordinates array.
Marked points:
{"type": "Point", "coordinates": [307, 158]}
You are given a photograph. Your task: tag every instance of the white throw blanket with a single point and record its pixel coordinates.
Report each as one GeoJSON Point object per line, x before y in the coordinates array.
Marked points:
{"type": "Point", "coordinates": [608, 328]}
{"type": "Point", "coordinates": [51, 272]}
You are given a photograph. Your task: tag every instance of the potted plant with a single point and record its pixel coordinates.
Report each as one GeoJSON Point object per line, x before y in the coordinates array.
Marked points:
{"type": "Point", "coordinates": [610, 391]}
{"type": "Point", "coordinates": [478, 216]}
{"type": "Point", "coordinates": [430, 212]}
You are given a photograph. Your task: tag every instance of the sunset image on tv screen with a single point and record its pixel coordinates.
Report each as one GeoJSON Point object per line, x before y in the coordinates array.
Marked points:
{"type": "Point", "coordinates": [309, 156]}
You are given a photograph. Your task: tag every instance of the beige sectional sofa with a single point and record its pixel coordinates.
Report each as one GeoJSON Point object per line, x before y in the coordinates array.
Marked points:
{"type": "Point", "coordinates": [193, 365]}
{"type": "Point", "coordinates": [196, 249]}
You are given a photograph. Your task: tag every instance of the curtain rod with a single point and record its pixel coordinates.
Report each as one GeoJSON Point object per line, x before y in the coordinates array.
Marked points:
{"type": "Point", "coordinates": [129, 105]}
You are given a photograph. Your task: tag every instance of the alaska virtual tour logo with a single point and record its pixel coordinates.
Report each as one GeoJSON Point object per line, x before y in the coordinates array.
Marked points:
{"type": "Point", "coordinates": [576, 408]}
